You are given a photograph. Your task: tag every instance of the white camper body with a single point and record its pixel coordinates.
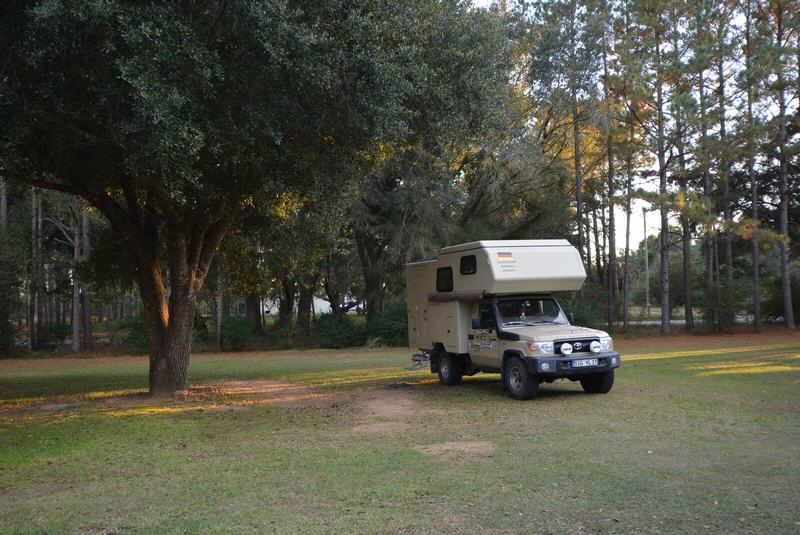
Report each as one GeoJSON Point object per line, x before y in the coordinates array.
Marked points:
{"type": "Point", "coordinates": [442, 291]}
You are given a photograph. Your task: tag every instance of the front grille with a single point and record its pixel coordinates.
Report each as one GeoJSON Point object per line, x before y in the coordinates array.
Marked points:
{"type": "Point", "coordinates": [576, 349]}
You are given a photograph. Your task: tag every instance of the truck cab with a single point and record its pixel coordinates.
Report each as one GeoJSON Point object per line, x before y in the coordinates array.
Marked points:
{"type": "Point", "coordinates": [466, 325]}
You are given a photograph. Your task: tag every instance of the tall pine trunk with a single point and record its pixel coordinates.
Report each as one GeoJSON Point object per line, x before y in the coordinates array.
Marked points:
{"type": "Point", "coordinates": [86, 296]}
{"type": "Point", "coordinates": [626, 269]}
{"type": "Point", "coordinates": [728, 314]}
{"type": "Point", "coordinates": [751, 175]}
{"type": "Point", "coordinates": [662, 189]}
{"type": "Point", "coordinates": [783, 210]}
{"type": "Point", "coordinates": [76, 285]}
{"type": "Point", "coordinates": [3, 208]}
{"type": "Point", "coordinates": [612, 239]}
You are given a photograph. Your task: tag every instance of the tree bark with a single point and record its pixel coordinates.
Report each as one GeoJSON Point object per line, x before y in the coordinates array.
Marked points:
{"type": "Point", "coordinates": [86, 296]}
{"type": "Point", "coordinates": [33, 286]}
{"type": "Point", "coordinates": [370, 252]}
{"type": "Point", "coordinates": [708, 226]}
{"type": "Point", "coordinates": [751, 175]}
{"type": "Point", "coordinates": [305, 302]}
{"type": "Point", "coordinates": [76, 285]}
{"type": "Point", "coordinates": [612, 243]}
{"type": "Point", "coordinates": [286, 306]}
{"type": "Point", "coordinates": [253, 313]}
{"type": "Point", "coordinates": [783, 210]}
{"type": "Point", "coordinates": [724, 175]}
{"type": "Point", "coordinates": [3, 208]}
{"type": "Point", "coordinates": [626, 268]}
{"type": "Point", "coordinates": [662, 189]}
{"type": "Point", "coordinates": [191, 246]}
{"type": "Point", "coordinates": [576, 140]}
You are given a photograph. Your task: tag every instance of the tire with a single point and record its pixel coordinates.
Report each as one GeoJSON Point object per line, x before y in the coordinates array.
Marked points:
{"type": "Point", "coordinates": [519, 383]}
{"type": "Point", "coordinates": [598, 383]}
{"type": "Point", "coordinates": [451, 369]}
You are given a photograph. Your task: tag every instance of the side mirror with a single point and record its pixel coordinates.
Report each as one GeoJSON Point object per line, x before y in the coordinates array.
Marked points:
{"type": "Point", "coordinates": [572, 317]}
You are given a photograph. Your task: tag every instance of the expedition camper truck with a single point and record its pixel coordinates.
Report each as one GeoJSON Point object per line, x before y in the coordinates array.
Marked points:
{"type": "Point", "coordinates": [487, 306]}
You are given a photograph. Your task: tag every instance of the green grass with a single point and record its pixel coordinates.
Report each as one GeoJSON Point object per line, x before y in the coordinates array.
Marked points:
{"type": "Point", "coordinates": [699, 435]}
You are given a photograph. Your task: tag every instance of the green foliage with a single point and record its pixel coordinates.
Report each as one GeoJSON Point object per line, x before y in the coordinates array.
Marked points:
{"type": "Point", "coordinates": [237, 333]}
{"type": "Point", "coordinates": [53, 335]}
{"type": "Point", "coordinates": [339, 330]}
{"type": "Point", "coordinates": [136, 341]}
{"type": "Point", "coordinates": [390, 325]}
{"type": "Point", "coordinates": [772, 304]}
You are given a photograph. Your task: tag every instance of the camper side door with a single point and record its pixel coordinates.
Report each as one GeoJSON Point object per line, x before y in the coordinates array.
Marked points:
{"type": "Point", "coordinates": [483, 344]}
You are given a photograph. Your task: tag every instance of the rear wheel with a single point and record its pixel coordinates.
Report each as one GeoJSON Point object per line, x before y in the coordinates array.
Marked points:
{"type": "Point", "coordinates": [598, 383]}
{"type": "Point", "coordinates": [520, 383]}
{"type": "Point", "coordinates": [451, 369]}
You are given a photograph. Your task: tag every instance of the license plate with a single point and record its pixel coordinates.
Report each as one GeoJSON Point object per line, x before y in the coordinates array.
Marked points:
{"type": "Point", "coordinates": [582, 363]}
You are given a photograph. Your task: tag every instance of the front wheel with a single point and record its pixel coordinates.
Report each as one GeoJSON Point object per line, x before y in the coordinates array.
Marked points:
{"type": "Point", "coordinates": [520, 383]}
{"type": "Point", "coordinates": [598, 383]}
{"type": "Point", "coordinates": [451, 369]}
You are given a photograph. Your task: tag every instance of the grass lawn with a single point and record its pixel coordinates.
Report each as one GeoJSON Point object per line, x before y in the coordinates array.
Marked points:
{"type": "Point", "coordinates": [699, 435]}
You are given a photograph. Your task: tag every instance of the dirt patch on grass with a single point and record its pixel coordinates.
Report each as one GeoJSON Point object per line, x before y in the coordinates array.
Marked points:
{"type": "Point", "coordinates": [381, 427]}
{"type": "Point", "coordinates": [464, 448]}
{"type": "Point", "coordinates": [267, 391]}
{"type": "Point", "coordinates": [218, 395]}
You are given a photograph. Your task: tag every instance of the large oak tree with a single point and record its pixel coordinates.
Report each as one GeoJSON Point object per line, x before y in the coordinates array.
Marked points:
{"type": "Point", "coordinates": [172, 118]}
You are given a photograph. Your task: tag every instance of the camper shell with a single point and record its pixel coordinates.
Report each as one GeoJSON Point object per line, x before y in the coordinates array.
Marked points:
{"type": "Point", "coordinates": [485, 305]}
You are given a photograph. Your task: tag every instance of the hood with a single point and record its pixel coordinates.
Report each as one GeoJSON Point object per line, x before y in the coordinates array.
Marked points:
{"type": "Point", "coordinates": [549, 332]}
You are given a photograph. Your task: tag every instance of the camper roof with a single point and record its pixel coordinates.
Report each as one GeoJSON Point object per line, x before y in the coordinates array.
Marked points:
{"type": "Point", "coordinates": [502, 244]}
{"type": "Point", "coordinates": [503, 267]}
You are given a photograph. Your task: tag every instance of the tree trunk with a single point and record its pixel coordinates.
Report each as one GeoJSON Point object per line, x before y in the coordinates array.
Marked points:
{"type": "Point", "coordinates": [612, 243]}
{"type": "Point", "coordinates": [576, 147]}
{"type": "Point", "coordinates": [370, 252]}
{"type": "Point", "coordinates": [86, 297]}
{"type": "Point", "coordinates": [724, 175]}
{"type": "Point", "coordinates": [626, 269]}
{"type": "Point", "coordinates": [286, 306]}
{"type": "Point", "coordinates": [597, 248]}
{"type": "Point", "coordinates": [305, 303]}
{"type": "Point", "coordinates": [253, 313]}
{"type": "Point", "coordinates": [217, 308]}
{"type": "Point", "coordinates": [3, 208]}
{"type": "Point", "coordinates": [783, 211]}
{"type": "Point", "coordinates": [76, 285]}
{"type": "Point", "coordinates": [751, 175]}
{"type": "Point", "coordinates": [33, 287]}
{"type": "Point", "coordinates": [662, 189]}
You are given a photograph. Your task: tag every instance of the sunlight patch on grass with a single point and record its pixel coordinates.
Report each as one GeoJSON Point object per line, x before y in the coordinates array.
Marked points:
{"type": "Point", "coordinates": [704, 352]}
{"type": "Point", "coordinates": [765, 368]}
{"type": "Point", "coordinates": [765, 364]}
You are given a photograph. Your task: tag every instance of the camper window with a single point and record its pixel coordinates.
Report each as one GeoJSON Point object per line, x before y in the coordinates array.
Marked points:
{"type": "Point", "coordinates": [469, 265]}
{"type": "Point", "coordinates": [444, 279]}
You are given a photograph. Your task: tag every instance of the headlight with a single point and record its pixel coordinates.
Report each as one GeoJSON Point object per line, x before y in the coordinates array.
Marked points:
{"type": "Point", "coordinates": [541, 347]}
{"type": "Point", "coordinates": [566, 348]}
{"type": "Point", "coordinates": [595, 346]}
{"type": "Point", "coordinates": [606, 344]}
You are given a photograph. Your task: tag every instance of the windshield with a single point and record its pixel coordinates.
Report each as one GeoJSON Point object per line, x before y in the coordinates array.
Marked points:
{"type": "Point", "coordinates": [530, 311]}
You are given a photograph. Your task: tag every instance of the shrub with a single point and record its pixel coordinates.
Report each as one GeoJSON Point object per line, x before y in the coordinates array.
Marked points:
{"type": "Point", "coordinates": [338, 330]}
{"type": "Point", "coordinates": [237, 333]}
{"type": "Point", "coordinates": [136, 341]}
{"type": "Point", "coordinates": [54, 335]}
{"type": "Point", "coordinates": [390, 325]}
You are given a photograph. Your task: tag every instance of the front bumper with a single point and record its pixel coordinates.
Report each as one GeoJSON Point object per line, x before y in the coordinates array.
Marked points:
{"type": "Point", "coordinates": [558, 366]}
